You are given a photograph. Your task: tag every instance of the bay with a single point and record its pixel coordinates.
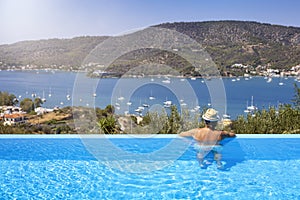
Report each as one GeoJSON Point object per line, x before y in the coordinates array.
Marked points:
{"type": "Point", "coordinates": [127, 94]}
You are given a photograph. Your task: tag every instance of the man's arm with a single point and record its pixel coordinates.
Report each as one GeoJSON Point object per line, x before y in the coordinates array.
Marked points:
{"type": "Point", "coordinates": [225, 134]}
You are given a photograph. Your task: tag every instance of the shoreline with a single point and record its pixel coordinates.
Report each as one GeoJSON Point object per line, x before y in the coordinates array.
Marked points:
{"type": "Point", "coordinates": [37, 71]}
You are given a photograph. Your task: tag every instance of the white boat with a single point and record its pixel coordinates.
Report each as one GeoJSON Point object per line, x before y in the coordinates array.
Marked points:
{"type": "Point", "coordinates": [280, 82]}
{"type": "Point", "coordinates": [250, 108]}
{"type": "Point", "coordinates": [121, 98]}
{"type": "Point", "coordinates": [167, 103]}
{"type": "Point", "coordinates": [183, 104]}
{"type": "Point", "coordinates": [226, 116]}
{"type": "Point", "coordinates": [139, 109]}
{"type": "Point", "coordinates": [50, 94]}
{"type": "Point", "coordinates": [246, 111]}
{"type": "Point", "coordinates": [269, 80]}
{"type": "Point", "coordinates": [94, 94]}
{"type": "Point", "coordinates": [151, 97]}
{"type": "Point", "coordinates": [43, 99]}
{"type": "Point", "coordinates": [145, 105]}
{"type": "Point", "coordinates": [167, 81]}
{"type": "Point", "coordinates": [68, 97]}
{"type": "Point", "coordinates": [197, 108]}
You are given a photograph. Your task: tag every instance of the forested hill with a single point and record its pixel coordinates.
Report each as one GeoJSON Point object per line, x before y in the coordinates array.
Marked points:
{"type": "Point", "coordinates": [253, 43]}
{"type": "Point", "coordinates": [228, 42]}
{"type": "Point", "coordinates": [51, 52]}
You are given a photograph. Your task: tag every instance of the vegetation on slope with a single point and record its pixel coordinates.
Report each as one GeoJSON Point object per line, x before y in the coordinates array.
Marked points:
{"type": "Point", "coordinates": [228, 42]}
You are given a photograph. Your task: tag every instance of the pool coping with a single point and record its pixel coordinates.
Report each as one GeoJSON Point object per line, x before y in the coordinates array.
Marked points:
{"type": "Point", "coordinates": [86, 136]}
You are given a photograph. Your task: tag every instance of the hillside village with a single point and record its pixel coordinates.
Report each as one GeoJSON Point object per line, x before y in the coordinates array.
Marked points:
{"type": "Point", "coordinates": [248, 70]}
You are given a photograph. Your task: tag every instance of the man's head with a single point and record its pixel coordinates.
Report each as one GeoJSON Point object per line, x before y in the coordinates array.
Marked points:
{"type": "Point", "coordinates": [211, 116]}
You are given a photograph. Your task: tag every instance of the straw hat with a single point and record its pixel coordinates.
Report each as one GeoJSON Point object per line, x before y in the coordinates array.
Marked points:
{"type": "Point", "coordinates": [211, 115]}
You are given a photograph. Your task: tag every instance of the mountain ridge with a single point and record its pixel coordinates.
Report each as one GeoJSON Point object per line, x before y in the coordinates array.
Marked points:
{"type": "Point", "coordinates": [227, 41]}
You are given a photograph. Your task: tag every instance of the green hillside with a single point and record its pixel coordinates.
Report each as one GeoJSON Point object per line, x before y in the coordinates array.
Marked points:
{"type": "Point", "coordinates": [228, 42]}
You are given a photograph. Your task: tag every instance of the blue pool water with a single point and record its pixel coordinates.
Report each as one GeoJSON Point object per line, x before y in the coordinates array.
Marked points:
{"type": "Point", "coordinates": [50, 167]}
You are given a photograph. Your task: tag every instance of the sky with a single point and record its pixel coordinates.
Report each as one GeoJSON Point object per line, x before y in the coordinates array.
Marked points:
{"type": "Point", "coordinates": [43, 19]}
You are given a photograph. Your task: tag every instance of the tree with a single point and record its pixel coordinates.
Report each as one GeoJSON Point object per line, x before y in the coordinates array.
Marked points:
{"type": "Point", "coordinates": [7, 99]}
{"type": "Point", "coordinates": [37, 102]}
{"type": "Point", "coordinates": [173, 123]}
{"type": "Point", "coordinates": [296, 100]}
{"type": "Point", "coordinates": [27, 105]}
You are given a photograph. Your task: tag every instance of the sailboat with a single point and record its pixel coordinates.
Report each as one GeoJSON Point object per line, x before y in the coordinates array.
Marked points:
{"type": "Point", "coordinates": [167, 103]}
{"type": "Point", "coordinates": [250, 108]}
{"type": "Point", "coordinates": [182, 103]}
{"type": "Point", "coordinates": [246, 110]}
{"type": "Point", "coordinates": [50, 94]}
{"type": "Point", "coordinates": [121, 98]}
{"type": "Point", "coordinates": [43, 99]}
{"type": "Point", "coordinates": [167, 80]}
{"type": "Point", "coordinates": [280, 82]}
{"type": "Point", "coordinates": [151, 97]}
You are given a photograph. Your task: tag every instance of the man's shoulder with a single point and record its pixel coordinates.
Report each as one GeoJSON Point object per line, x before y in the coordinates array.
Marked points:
{"type": "Point", "coordinates": [202, 131]}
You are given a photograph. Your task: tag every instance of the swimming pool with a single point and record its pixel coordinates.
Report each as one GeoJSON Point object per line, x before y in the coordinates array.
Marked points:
{"type": "Point", "coordinates": [61, 167]}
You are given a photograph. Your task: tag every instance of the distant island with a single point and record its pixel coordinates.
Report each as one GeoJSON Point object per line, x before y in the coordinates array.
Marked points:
{"type": "Point", "coordinates": [237, 47]}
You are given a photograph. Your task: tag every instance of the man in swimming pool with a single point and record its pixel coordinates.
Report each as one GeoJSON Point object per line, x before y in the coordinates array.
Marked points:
{"type": "Point", "coordinates": [208, 139]}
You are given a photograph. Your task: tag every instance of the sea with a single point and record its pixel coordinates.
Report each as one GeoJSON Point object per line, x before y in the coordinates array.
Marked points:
{"type": "Point", "coordinates": [139, 95]}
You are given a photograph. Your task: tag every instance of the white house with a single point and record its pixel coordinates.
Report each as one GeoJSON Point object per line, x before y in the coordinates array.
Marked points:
{"type": "Point", "coordinates": [13, 119]}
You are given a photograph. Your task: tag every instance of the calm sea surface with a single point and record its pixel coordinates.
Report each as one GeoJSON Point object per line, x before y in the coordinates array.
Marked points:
{"type": "Point", "coordinates": [129, 93]}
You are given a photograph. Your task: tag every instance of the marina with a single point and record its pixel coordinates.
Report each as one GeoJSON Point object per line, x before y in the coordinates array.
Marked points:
{"type": "Point", "coordinates": [257, 91]}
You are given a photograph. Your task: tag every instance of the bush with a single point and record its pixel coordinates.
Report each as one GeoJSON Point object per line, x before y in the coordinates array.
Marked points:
{"type": "Point", "coordinates": [284, 120]}
{"type": "Point", "coordinates": [108, 125]}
